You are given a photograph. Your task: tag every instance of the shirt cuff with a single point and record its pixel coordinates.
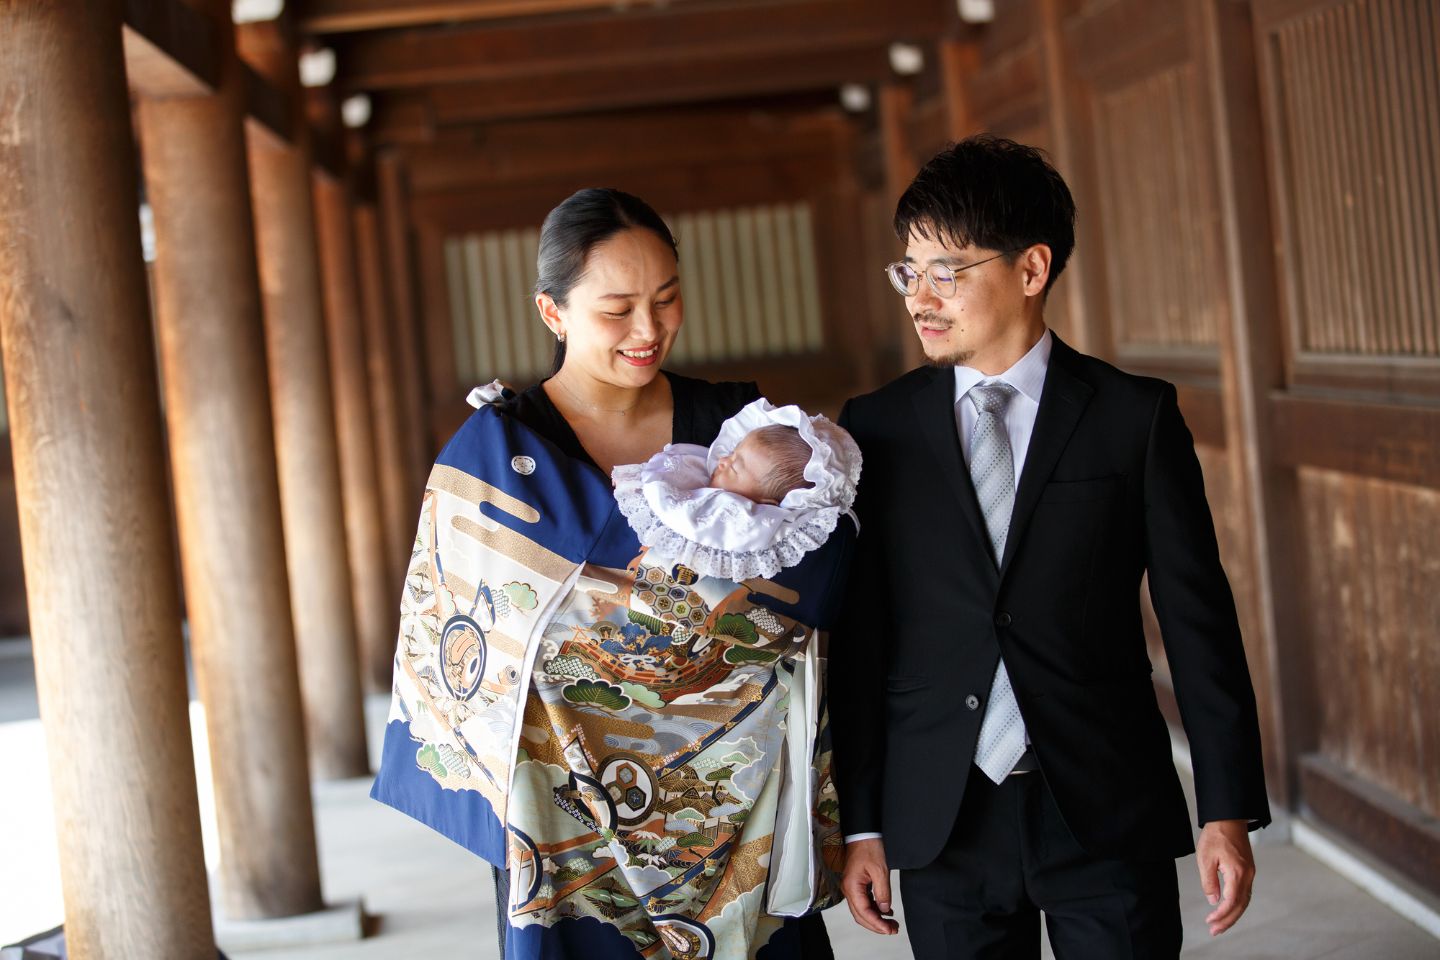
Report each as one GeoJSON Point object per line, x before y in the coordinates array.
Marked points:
{"type": "Point", "coordinates": [861, 836]}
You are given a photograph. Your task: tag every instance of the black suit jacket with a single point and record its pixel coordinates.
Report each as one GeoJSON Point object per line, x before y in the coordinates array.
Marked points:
{"type": "Point", "coordinates": [1111, 489]}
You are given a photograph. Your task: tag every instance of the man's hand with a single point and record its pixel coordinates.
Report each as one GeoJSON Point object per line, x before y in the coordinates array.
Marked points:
{"type": "Point", "coordinates": [867, 885]}
{"type": "Point", "coordinates": [1227, 871]}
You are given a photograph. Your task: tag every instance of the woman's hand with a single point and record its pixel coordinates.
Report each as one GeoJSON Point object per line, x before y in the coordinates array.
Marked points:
{"type": "Point", "coordinates": [867, 885]}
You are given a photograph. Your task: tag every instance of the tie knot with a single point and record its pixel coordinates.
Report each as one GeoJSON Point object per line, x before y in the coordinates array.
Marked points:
{"type": "Point", "coordinates": [992, 397]}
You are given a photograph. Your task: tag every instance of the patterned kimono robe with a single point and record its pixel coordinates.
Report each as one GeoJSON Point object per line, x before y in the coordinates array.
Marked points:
{"type": "Point", "coordinates": [646, 750]}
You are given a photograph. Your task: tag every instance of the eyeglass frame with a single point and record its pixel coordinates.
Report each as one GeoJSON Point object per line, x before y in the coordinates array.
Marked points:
{"type": "Point", "coordinates": [931, 280]}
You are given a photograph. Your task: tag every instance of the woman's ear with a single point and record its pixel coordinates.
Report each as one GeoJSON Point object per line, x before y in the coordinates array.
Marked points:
{"type": "Point", "coordinates": [1036, 263]}
{"type": "Point", "coordinates": [550, 314]}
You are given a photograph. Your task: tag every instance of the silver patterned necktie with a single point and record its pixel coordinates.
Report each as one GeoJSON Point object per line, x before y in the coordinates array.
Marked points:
{"type": "Point", "coordinates": [992, 470]}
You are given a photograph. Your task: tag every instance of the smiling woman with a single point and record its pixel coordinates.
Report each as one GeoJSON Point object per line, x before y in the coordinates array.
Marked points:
{"type": "Point", "coordinates": [589, 742]}
{"type": "Point", "coordinates": [609, 291]}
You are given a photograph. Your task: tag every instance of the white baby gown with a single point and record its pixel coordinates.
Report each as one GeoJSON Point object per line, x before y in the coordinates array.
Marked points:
{"type": "Point", "coordinates": [674, 511]}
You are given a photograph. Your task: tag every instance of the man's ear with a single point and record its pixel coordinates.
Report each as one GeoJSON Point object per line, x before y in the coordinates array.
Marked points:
{"type": "Point", "coordinates": [1035, 263]}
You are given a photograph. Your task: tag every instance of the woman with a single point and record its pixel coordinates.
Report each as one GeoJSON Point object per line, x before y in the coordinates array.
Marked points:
{"type": "Point", "coordinates": [614, 732]}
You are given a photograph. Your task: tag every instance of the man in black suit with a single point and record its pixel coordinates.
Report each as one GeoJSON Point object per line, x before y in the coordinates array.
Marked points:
{"type": "Point", "coordinates": [997, 736]}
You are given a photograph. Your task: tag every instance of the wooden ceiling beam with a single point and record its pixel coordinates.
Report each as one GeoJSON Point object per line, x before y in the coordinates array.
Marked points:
{"type": "Point", "coordinates": [171, 49]}
{"type": "Point", "coordinates": [415, 58]}
{"type": "Point", "coordinates": [268, 107]}
{"type": "Point", "coordinates": [665, 84]}
{"type": "Point", "coordinates": [672, 188]}
{"type": "Point", "coordinates": [349, 16]}
{"type": "Point", "coordinates": [542, 151]}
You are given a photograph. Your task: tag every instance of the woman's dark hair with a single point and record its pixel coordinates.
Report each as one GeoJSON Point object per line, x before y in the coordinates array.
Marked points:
{"type": "Point", "coordinates": [994, 193]}
{"type": "Point", "coordinates": [584, 219]}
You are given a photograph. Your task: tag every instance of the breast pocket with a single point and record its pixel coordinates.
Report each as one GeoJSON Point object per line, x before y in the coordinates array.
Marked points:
{"type": "Point", "coordinates": [1075, 491]}
{"type": "Point", "coordinates": [896, 683]}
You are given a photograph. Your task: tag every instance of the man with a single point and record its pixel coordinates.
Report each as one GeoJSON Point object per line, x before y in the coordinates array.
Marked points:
{"type": "Point", "coordinates": [997, 737]}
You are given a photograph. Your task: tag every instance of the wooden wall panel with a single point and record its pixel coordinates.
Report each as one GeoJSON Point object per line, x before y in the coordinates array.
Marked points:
{"type": "Point", "coordinates": [1374, 575]}
{"type": "Point", "coordinates": [1232, 532]}
{"type": "Point", "coordinates": [1157, 212]}
{"type": "Point", "coordinates": [1356, 98]}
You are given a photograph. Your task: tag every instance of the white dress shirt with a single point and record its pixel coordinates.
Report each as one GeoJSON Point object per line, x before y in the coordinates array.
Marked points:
{"type": "Point", "coordinates": [1028, 377]}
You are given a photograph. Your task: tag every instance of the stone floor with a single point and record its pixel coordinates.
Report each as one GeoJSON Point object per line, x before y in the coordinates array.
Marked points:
{"type": "Point", "coordinates": [428, 898]}
{"type": "Point", "coordinates": [432, 899]}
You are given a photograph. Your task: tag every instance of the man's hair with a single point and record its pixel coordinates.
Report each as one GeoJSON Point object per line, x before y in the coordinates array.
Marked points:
{"type": "Point", "coordinates": [791, 453]}
{"type": "Point", "coordinates": [993, 193]}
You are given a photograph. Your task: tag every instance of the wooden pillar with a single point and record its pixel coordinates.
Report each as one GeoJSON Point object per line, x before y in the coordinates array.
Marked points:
{"type": "Point", "coordinates": [897, 104]}
{"type": "Point", "coordinates": [306, 448]}
{"type": "Point", "coordinates": [442, 381]}
{"type": "Point", "coordinates": [376, 597]}
{"type": "Point", "coordinates": [959, 61]}
{"type": "Point", "coordinates": [1252, 366]}
{"type": "Point", "coordinates": [90, 478]}
{"type": "Point", "coordinates": [415, 400]}
{"type": "Point", "coordinates": [384, 388]}
{"type": "Point", "coordinates": [1067, 99]}
{"type": "Point", "coordinates": [222, 450]}
{"type": "Point", "coordinates": [840, 229]}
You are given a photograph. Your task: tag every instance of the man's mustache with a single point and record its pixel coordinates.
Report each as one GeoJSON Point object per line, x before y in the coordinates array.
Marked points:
{"type": "Point", "coordinates": [931, 320]}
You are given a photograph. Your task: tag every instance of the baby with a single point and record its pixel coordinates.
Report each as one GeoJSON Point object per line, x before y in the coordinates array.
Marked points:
{"type": "Point", "coordinates": [768, 464]}
{"type": "Point", "coordinates": [770, 489]}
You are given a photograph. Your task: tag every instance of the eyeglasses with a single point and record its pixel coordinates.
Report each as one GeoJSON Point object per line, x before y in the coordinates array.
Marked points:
{"type": "Point", "coordinates": [941, 277]}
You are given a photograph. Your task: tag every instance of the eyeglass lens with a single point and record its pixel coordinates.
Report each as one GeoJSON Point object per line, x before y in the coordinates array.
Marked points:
{"type": "Point", "coordinates": [906, 280]}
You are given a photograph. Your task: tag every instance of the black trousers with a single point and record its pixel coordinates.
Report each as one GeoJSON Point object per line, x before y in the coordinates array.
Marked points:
{"type": "Point", "coordinates": [1010, 857]}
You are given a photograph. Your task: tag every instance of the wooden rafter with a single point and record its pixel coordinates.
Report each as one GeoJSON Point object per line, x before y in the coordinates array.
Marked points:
{"type": "Point", "coordinates": [171, 49]}
{"type": "Point", "coordinates": [630, 87]}
{"type": "Point", "coordinates": [345, 16]}
{"type": "Point", "coordinates": [415, 58]}
{"type": "Point", "coordinates": [543, 150]}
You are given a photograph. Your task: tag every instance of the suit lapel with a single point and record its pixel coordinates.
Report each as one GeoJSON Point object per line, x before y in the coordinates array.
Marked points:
{"type": "Point", "coordinates": [1062, 401]}
{"type": "Point", "coordinates": [935, 410]}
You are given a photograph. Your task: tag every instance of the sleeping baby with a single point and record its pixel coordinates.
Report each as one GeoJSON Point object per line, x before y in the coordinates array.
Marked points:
{"type": "Point", "coordinates": [770, 489]}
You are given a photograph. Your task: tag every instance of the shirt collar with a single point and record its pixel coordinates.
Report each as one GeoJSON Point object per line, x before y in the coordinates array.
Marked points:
{"type": "Point", "coordinates": [1027, 375]}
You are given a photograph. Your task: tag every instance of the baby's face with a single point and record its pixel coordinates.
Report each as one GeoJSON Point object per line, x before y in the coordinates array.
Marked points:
{"type": "Point", "coordinates": [744, 471]}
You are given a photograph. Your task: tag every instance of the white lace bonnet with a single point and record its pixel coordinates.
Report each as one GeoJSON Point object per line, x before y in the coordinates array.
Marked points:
{"type": "Point", "coordinates": [674, 511]}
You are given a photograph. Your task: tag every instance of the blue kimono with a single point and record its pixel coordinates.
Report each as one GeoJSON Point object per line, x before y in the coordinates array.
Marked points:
{"type": "Point", "coordinates": [645, 749]}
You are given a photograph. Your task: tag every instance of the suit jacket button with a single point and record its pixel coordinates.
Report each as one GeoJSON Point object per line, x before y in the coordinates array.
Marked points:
{"type": "Point", "coordinates": [1002, 619]}
{"type": "Point", "coordinates": [972, 702]}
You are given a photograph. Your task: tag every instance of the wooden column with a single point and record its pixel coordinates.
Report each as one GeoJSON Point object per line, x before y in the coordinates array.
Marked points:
{"type": "Point", "coordinates": [380, 349]}
{"type": "Point", "coordinates": [442, 383]}
{"type": "Point", "coordinates": [306, 448]}
{"type": "Point", "coordinates": [959, 60]}
{"type": "Point", "coordinates": [840, 225]}
{"type": "Point", "coordinates": [897, 103]}
{"type": "Point", "coordinates": [90, 478]}
{"type": "Point", "coordinates": [1251, 367]}
{"type": "Point", "coordinates": [222, 450]}
{"type": "Point", "coordinates": [1067, 99]}
{"type": "Point", "coordinates": [415, 400]}
{"type": "Point", "coordinates": [376, 597]}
